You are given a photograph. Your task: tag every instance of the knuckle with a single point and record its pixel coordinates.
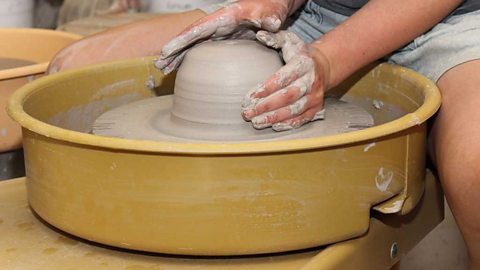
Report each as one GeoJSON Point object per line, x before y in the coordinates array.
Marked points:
{"type": "Point", "coordinates": [292, 94]}
{"type": "Point", "coordinates": [272, 118]}
{"type": "Point", "coordinates": [261, 108]}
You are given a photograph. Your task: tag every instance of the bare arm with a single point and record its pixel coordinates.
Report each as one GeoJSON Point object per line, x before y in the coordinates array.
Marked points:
{"type": "Point", "coordinates": [294, 95]}
{"type": "Point", "coordinates": [129, 41]}
{"type": "Point", "coordinates": [379, 28]}
{"type": "Point", "coordinates": [133, 40]}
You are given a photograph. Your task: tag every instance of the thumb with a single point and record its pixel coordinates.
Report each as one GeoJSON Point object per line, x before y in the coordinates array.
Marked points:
{"type": "Point", "coordinates": [290, 44]}
{"type": "Point", "coordinates": [274, 40]}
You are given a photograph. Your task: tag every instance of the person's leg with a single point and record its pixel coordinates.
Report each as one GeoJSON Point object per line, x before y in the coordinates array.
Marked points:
{"type": "Point", "coordinates": [455, 141]}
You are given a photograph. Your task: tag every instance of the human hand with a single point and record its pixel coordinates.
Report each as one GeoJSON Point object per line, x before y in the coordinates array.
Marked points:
{"type": "Point", "coordinates": [90, 50]}
{"type": "Point", "coordinates": [294, 95]}
{"type": "Point", "coordinates": [237, 20]}
{"type": "Point", "coordinates": [124, 42]}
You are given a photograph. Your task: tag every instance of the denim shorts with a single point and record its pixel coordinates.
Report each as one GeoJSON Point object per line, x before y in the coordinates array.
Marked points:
{"type": "Point", "coordinates": [452, 42]}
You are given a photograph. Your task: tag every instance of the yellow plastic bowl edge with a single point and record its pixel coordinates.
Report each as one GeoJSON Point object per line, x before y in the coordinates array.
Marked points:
{"type": "Point", "coordinates": [422, 114]}
{"type": "Point", "coordinates": [36, 68]}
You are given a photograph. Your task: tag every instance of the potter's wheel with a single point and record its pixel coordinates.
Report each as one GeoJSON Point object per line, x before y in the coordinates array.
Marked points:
{"type": "Point", "coordinates": [150, 119]}
{"type": "Point", "coordinates": [209, 89]}
{"type": "Point", "coordinates": [249, 198]}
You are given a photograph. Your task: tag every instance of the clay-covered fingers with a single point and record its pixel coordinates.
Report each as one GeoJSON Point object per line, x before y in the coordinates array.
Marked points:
{"type": "Point", "coordinates": [237, 19]}
{"type": "Point", "coordinates": [289, 42]}
{"type": "Point", "coordinates": [170, 64]}
{"type": "Point", "coordinates": [222, 22]}
{"type": "Point", "coordinates": [291, 111]}
{"type": "Point", "coordinates": [276, 99]}
{"type": "Point", "coordinates": [298, 65]}
{"type": "Point", "coordinates": [299, 72]}
{"type": "Point", "coordinates": [309, 115]}
{"type": "Point", "coordinates": [292, 96]}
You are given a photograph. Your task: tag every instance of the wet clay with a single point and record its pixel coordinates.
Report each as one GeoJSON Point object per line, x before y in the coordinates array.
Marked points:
{"type": "Point", "coordinates": [8, 63]}
{"type": "Point", "coordinates": [215, 76]}
{"type": "Point", "coordinates": [209, 89]}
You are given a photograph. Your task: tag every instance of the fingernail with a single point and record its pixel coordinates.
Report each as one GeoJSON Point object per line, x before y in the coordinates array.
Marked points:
{"type": "Point", "coordinates": [282, 127]}
{"type": "Point", "coordinates": [260, 122]}
{"type": "Point", "coordinates": [248, 114]}
{"type": "Point", "coordinates": [167, 70]}
{"type": "Point", "coordinates": [159, 63]}
{"type": "Point", "coordinates": [299, 123]}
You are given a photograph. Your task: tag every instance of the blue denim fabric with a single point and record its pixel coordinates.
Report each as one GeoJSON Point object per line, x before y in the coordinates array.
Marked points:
{"type": "Point", "coordinates": [452, 42]}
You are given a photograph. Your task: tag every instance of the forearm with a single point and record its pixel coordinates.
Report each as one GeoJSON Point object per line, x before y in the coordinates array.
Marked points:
{"type": "Point", "coordinates": [376, 30]}
{"type": "Point", "coordinates": [144, 37]}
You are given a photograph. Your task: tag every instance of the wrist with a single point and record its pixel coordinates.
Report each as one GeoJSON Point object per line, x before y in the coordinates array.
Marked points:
{"type": "Point", "coordinates": [331, 53]}
{"type": "Point", "coordinates": [323, 67]}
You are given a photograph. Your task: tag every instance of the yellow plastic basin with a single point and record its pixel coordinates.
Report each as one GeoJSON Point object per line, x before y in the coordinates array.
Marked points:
{"type": "Point", "coordinates": [32, 45]}
{"type": "Point", "coordinates": [218, 198]}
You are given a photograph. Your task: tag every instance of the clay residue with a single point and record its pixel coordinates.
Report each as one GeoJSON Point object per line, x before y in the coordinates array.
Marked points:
{"type": "Point", "coordinates": [377, 104]}
{"type": "Point", "coordinates": [394, 207]}
{"type": "Point", "coordinates": [386, 113]}
{"type": "Point", "coordinates": [415, 120]}
{"type": "Point", "coordinates": [368, 147]}
{"type": "Point", "coordinates": [112, 88]}
{"type": "Point", "coordinates": [81, 118]}
{"type": "Point", "coordinates": [383, 179]}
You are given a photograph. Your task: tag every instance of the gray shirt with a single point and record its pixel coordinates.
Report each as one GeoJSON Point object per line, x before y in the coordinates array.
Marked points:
{"type": "Point", "coordinates": [348, 7]}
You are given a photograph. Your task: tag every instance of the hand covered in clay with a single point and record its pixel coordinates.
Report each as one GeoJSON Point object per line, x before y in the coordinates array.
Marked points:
{"type": "Point", "coordinates": [136, 39]}
{"type": "Point", "coordinates": [237, 20]}
{"type": "Point", "coordinates": [294, 95]}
